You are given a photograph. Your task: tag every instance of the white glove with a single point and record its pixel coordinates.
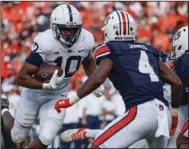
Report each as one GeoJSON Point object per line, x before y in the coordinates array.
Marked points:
{"type": "Point", "coordinates": [55, 80]}
{"type": "Point", "coordinates": [99, 91]}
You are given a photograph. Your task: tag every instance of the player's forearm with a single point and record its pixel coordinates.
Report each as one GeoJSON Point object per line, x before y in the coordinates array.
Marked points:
{"type": "Point", "coordinates": [90, 85]}
{"type": "Point", "coordinates": [176, 95]}
{"type": "Point", "coordinates": [96, 79]}
{"type": "Point", "coordinates": [28, 81]}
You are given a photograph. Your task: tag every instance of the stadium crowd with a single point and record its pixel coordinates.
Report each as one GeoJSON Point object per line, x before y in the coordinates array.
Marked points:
{"type": "Point", "coordinates": [21, 21]}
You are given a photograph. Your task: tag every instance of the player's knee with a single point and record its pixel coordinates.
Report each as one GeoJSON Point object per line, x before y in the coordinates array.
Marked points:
{"type": "Point", "coordinates": [17, 136]}
{"type": "Point", "coordinates": [46, 138]}
{"type": "Point", "coordinates": [48, 132]}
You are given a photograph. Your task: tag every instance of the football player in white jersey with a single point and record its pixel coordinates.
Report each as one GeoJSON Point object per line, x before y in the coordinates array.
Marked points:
{"type": "Point", "coordinates": [67, 45]}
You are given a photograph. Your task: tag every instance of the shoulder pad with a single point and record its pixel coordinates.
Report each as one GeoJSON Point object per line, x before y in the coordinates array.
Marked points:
{"type": "Point", "coordinates": [152, 49]}
{"type": "Point", "coordinates": [89, 39]}
{"type": "Point", "coordinates": [101, 50]}
{"type": "Point", "coordinates": [44, 42]}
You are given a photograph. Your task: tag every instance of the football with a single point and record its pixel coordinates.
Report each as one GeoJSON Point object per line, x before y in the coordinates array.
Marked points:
{"type": "Point", "coordinates": [45, 72]}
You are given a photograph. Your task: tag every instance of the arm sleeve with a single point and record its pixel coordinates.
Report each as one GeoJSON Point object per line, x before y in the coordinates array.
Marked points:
{"type": "Point", "coordinates": [34, 59]}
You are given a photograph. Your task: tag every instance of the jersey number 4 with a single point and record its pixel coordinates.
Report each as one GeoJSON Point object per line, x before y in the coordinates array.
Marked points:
{"type": "Point", "coordinates": [72, 64]}
{"type": "Point", "coordinates": [146, 68]}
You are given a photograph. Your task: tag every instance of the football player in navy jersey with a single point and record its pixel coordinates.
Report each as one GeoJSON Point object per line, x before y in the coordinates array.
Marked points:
{"type": "Point", "coordinates": [136, 72]}
{"type": "Point", "coordinates": [180, 67]}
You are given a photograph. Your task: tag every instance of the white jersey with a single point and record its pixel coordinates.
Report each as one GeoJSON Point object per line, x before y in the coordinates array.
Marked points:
{"type": "Point", "coordinates": [53, 52]}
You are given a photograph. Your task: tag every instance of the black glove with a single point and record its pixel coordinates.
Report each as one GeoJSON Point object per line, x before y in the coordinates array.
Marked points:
{"type": "Point", "coordinates": [4, 102]}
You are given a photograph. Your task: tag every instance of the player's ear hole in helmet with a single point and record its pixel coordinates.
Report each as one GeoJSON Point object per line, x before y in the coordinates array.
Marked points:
{"type": "Point", "coordinates": [66, 24]}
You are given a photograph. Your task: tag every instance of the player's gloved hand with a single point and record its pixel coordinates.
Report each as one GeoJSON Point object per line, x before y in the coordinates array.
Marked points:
{"type": "Point", "coordinates": [62, 103]}
{"type": "Point", "coordinates": [55, 80]}
{"type": "Point", "coordinates": [99, 91]}
{"type": "Point", "coordinates": [66, 102]}
{"type": "Point", "coordinates": [174, 115]}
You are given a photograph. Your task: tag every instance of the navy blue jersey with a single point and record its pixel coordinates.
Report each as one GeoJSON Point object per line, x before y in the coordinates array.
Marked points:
{"type": "Point", "coordinates": [181, 69]}
{"type": "Point", "coordinates": [135, 72]}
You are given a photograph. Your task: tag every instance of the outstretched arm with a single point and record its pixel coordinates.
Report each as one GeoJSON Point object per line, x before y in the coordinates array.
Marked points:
{"type": "Point", "coordinates": [97, 78]}
{"type": "Point", "coordinates": [93, 82]}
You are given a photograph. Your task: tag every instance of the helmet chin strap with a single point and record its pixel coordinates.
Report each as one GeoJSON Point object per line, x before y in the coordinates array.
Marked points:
{"type": "Point", "coordinates": [66, 44]}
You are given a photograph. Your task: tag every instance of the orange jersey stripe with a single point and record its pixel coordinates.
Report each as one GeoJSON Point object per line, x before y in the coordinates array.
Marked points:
{"type": "Point", "coordinates": [116, 127]}
{"type": "Point", "coordinates": [124, 22]}
{"type": "Point", "coordinates": [101, 50]}
{"type": "Point", "coordinates": [184, 128]}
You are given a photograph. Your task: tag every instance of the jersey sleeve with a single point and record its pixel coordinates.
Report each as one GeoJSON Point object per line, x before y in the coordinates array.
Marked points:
{"type": "Point", "coordinates": [34, 59]}
{"type": "Point", "coordinates": [90, 41]}
{"type": "Point", "coordinates": [90, 45]}
{"type": "Point", "coordinates": [101, 52]}
{"type": "Point", "coordinates": [39, 46]}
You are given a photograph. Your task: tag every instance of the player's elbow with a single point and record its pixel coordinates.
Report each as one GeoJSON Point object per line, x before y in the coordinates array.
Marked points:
{"type": "Point", "coordinates": [19, 79]}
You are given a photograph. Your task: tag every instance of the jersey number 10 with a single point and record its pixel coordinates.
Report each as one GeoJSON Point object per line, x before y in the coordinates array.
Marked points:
{"type": "Point", "coordinates": [146, 68]}
{"type": "Point", "coordinates": [72, 61]}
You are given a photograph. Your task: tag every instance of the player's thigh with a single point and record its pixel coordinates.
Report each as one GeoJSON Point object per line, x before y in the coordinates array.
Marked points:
{"type": "Point", "coordinates": [160, 138]}
{"type": "Point", "coordinates": [50, 121]}
{"type": "Point", "coordinates": [125, 130]}
{"type": "Point", "coordinates": [25, 115]}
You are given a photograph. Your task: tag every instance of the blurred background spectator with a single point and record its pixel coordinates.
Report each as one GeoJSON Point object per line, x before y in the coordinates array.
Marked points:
{"type": "Point", "coordinates": [21, 21]}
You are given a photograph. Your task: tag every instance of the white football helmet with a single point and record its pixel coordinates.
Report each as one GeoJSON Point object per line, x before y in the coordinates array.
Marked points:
{"type": "Point", "coordinates": [63, 17]}
{"type": "Point", "coordinates": [119, 25]}
{"type": "Point", "coordinates": [180, 41]}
